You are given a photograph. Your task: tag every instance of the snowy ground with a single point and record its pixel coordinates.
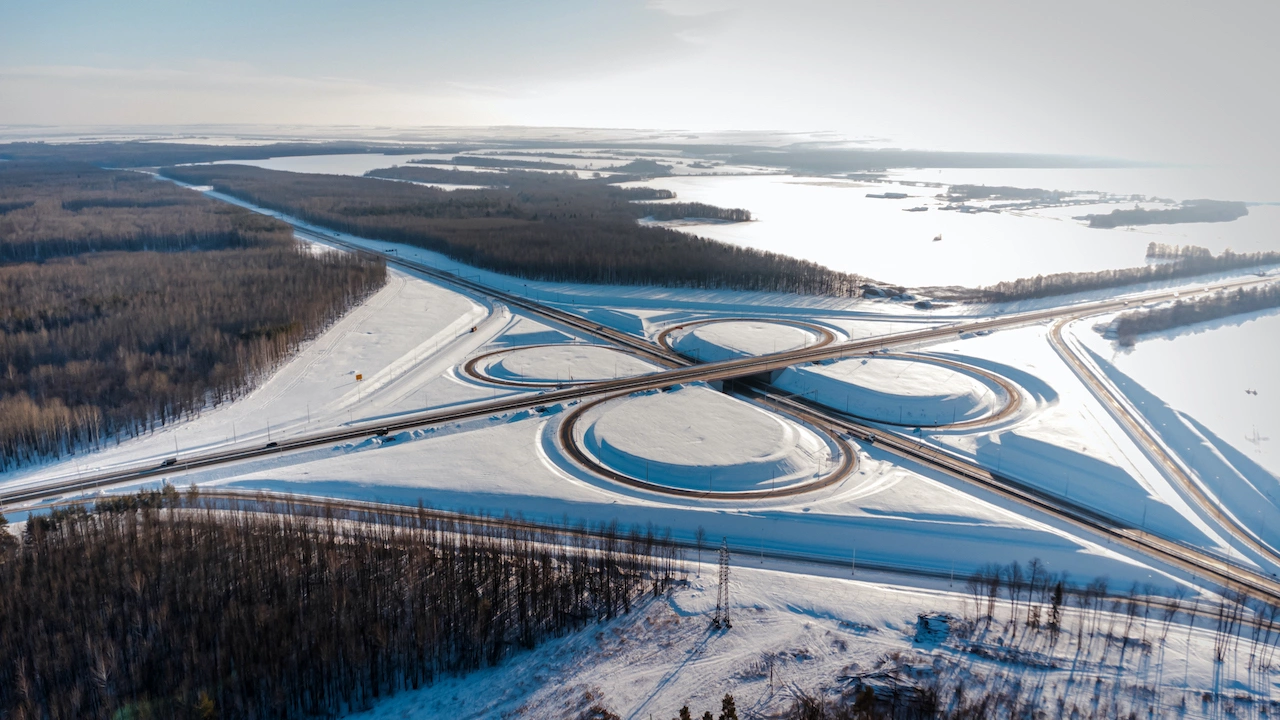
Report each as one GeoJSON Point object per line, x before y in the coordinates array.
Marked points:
{"type": "Point", "coordinates": [554, 364]}
{"type": "Point", "coordinates": [1189, 385]}
{"type": "Point", "coordinates": [1207, 371]}
{"type": "Point", "coordinates": [697, 438]}
{"type": "Point", "coordinates": [900, 390]}
{"type": "Point", "coordinates": [713, 341]}
{"type": "Point", "coordinates": [1065, 442]}
{"type": "Point", "coordinates": [803, 633]}
{"type": "Point", "coordinates": [906, 515]}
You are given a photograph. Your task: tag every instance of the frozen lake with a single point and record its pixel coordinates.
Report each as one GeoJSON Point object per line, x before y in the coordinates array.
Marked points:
{"type": "Point", "coordinates": [832, 222]}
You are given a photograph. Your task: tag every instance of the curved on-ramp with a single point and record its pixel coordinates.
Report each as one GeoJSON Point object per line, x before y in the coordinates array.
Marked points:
{"type": "Point", "coordinates": [825, 336]}
{"type": "Point", "coordinates": [568, 441]}
{"type": "Point", "coordinates": [473, 370]}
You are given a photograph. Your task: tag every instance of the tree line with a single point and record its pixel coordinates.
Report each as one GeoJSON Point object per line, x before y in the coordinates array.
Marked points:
{"type": "Point", "coordinates": [543, 226]}
{"type": "Point", "coordinates": [1130, 325]}
{"type": "Point", "coordinates": [121, 326]}
{"type": "Point", "coordinates": [496, 162]}
{"type": "Point", "coordinates": [1191, 211]}
{"type": "Point", "coordinates": [1185, 265]}
{"type": "Point", "coordinates": [167, 605]}
{"type": "Point", "coordinates": [142, 153]}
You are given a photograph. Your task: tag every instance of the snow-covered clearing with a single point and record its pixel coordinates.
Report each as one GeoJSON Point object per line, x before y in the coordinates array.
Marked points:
{"type": "Point", "coordinates": [805, 633]}
{"type": "Point", "coordinates": [884, 512]}
{"type": "Point", "coordinates": [909, 516]}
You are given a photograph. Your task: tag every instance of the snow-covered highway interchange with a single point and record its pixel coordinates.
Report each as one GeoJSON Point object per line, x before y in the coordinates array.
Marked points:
{"type": "Point", "coordinates": [905, 448]}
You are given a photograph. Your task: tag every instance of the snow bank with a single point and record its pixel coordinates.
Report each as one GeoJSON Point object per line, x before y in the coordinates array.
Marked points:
{"type": "Point", "coordinates": [906, 391]}
{"type": "Point", "coordinates": [697, 438]}
{"type": "Point", "coordinates": [713, 341]}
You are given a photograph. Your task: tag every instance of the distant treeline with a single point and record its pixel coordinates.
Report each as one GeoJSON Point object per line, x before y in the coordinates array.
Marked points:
{"type": "Point", "coordinates": [694, 210]}
{"type": "Point", "coordinates": [496, 162]}
{"type": "Point", "coordinates": [98, 344]}
{"type": "Point", "coordinates": [1191, 211]}
{"type": "Point", "coordinates": [839, 160]}
{"type": "Point", "coordinates": [163, 605]}
{"type": "Point", "coordinates": [137, 153]}
{"type": "Point", "coordinates": [960, 193]}
{"type": "Point", "coordinates": [642, 167]}
{"type": "Point", "coordinates": [1161, 251]}
{"type": "Point", "coordinates": [545, 226]}
{"type": "Point", "coordinates": [1131, 324]}
{"type": "Point", "coordinates": [1063, 283]}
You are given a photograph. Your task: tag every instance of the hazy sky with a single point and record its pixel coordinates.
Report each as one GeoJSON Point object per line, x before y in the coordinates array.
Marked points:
{"type": "Point", "coordinates": [1145, 80]}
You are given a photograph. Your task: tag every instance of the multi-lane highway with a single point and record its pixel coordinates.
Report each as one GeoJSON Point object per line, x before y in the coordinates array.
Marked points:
{"type": "Point", "coordinates": [680, 370]}
{"type": "Point", "coordinates": [1154, 449]}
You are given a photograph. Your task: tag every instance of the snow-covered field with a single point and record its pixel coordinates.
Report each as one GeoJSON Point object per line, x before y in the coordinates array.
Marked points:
{"type": "Point", "coordinates": [1194, 388]}
{"type": "Point", "coordinates": [901, 390]}
{"type": "Point", "coordinates": [711, 341]}
{"type": "Point", "coordinates": [1221, 374]}
{"type": "Point", "coordinates": [556, 364]}
{"type": "Point", "coordinates": [697, 438]}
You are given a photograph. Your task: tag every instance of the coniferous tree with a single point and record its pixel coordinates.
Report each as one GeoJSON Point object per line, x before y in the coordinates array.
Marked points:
{"type": "Point", "coordinates": [7, 541]}
{"type": "Point", "coordinates": [728, 711]}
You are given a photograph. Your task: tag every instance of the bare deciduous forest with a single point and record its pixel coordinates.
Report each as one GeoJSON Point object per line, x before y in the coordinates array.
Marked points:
{"type": "Point", "coordinates": [1186, 312]}
{"type": "Point", "coordinates": [536, 225]}
{"type": "Point", "coordinates": [126, 303]}
{"type": "Point", "coordinates": [230, 612]}
{"type": "Point", "coordinates": [1181, 265]}
{"type": "Point", "coordinates": [55, 210]}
